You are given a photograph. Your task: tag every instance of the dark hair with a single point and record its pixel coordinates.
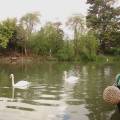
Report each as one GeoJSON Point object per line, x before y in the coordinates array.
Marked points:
{"type": "Point", "coordinates": [117, 78]}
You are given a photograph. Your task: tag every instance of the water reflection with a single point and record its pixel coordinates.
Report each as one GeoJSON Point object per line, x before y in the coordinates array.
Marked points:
{"type": "Point", "coordinates": [51, 98]}
{"type": "Point", "coordinates": [115, 115]}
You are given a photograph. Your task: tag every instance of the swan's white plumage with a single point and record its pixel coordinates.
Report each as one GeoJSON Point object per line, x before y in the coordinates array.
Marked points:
{"type": "Point", "coordinates": [70, 79]}
{"type": "Point", "coordinates": [21, 84]}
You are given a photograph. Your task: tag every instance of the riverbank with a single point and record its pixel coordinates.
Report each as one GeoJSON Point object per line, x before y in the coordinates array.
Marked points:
{"type": "Point", "coordinates": [25, 59]}
{"type": "Point", "coordinates": [29, 58]}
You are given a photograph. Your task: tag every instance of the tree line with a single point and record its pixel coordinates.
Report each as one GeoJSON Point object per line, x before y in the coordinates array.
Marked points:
{"type": "Point", "coordinates": [94, 34]}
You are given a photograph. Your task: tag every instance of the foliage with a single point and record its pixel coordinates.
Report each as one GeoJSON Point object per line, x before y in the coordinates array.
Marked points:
{"type": "Point", "coordinates": [28, 22]}
{"type": "Point", "coordinates": [66, 52]}
{"type": "Point", "coordinates": [6, 31]}
{"type": "Point", "coordinates": [16, 42]}
{"type": "Point", "coordinates": [101, 58]}
{"type": "Point", "coordinates": [103, 34]}
{"type": "Point", "coordinates": [88, 46]}
{"type": "Point", "coordinates": [48, 40]}
{"type": "Point", "coordinates": [77, 23]}
{"type": "Point", "coordinates": [104, 18]}
{"type": "Point", "coordinates": [38, 45]}
{"type": "Point", "coordinates": [114, 51]}
{"type": "Point", "coordinates": [3, 41]}
{"type": "Point", "coordinates": [54, 35]}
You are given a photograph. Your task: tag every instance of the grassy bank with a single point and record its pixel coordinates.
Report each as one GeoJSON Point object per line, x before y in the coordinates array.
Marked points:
{"type": "Point", "coordinates": [22, 59]}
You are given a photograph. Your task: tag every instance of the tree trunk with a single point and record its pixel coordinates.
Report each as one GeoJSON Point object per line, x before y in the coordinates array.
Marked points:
{"type": "Point", "coordinates": [103, 46]}
{"type": "Point", "coordinates": [25, 49]}
{"type": "Point", "coordinates": [75, 42]}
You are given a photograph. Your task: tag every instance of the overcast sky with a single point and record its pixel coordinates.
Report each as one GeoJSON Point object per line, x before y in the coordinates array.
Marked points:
{"type": "Point", "coordinates": [51, 10]}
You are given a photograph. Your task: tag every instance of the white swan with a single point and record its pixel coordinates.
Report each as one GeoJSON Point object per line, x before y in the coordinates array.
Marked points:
{"type": "Point", "coordinates": [21, 84]}
{"type": "Point", "coordinates": [71, 79]}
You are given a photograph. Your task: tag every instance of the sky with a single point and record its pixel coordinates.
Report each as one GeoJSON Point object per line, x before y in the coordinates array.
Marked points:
{"type": "Point", "coordinates": [50, 10]}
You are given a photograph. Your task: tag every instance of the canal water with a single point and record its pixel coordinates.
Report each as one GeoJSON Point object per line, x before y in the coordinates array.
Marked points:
{"type": "Point", "coordinates": [50, 97]}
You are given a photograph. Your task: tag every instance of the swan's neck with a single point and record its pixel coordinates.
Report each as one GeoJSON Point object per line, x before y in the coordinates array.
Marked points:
{"type": "Point", "coordinates": [13, 81]}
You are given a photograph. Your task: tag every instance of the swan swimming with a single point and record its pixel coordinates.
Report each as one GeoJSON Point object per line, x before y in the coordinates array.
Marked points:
{"type": "Point", "coordinates": [71, 79]}
{"type": "Point", "coordinates": [21, 84]}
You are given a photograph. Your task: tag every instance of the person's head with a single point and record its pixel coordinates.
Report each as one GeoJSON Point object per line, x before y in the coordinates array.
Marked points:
{"type": "Point", "coordinates": [117, 77]}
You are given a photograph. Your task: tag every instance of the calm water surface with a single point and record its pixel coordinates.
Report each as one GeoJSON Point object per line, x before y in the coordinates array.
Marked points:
{"type": "Point", "coordinates": [51, 98]}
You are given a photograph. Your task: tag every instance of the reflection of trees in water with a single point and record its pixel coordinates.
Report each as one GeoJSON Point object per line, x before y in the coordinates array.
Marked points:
{"type": "Point", "coordinates": [4, 78]}
{"type": "Point", "coordinates": [96, 80]}
{"type": "Point", "coordinates": [47, 80]}
{"type": "Point", "coordinates": [115, 115]}
{"type": "Point", "coordinates": [49, 72]}
{"type": "Point", "coordinates": [5, 92]}
{"type": "Point", "coordinates": [93, 79]}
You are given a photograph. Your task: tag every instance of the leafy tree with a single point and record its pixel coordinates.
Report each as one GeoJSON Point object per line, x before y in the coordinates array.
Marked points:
{"type": "Point", "coordinates": [88, 46]}
{"type": "Point", "coordinates": [48, 40]}
{"type": "Point", "coordinates": [54, 35]}
{"type": "Point", "coordinates": [104, 18]}
{"type": "Point", "coordinates": [38, 43]}
{"type": "Point", "coordinates": [16, 42]}
{"type": "Point", "coordinates": [28, 22]}
{"type": "Point", "coordinates": [6, 31]}
{"type": "Point", "coordinates": [77, 23]}
{"type": "Point", "coordinates": [66, 52]}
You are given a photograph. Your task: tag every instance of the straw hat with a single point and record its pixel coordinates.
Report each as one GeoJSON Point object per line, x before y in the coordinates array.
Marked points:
{"type": "Point", "coordinates": [111, 95]}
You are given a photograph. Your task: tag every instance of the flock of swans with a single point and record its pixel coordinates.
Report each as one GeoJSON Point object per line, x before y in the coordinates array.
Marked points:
{"type": "Point", "coordinates": [69, 81]}
{"type": "Point", "coordinates": [22, 84]}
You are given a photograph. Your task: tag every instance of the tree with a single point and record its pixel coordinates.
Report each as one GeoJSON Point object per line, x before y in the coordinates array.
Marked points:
{"type": "Point", "coordinates": [16, 42]}
{"type": "Point", "coordinates": [88, 46]}
{"type": "Point", "coordinates": [7, 28]}
{"type": "Point", "coordinates": [48, 40]}
{"type": "Point", "coordinates": [54, 35]}
{"type": "Point", "coordinates": [104, 18]}
{"type": "Point", "coordinates": [28, 22]}
{"type": "Point", "coordinates": [66, 52]}
{"type": "Point", "coordinates": [77, 23]}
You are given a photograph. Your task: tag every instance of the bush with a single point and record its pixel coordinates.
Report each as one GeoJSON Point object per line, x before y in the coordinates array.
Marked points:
{"type": "Point", "coordinates": [101, 58]}
{"type": "Point", "coordinates": [66, 53]}
{"type": "Point", "coordinates": [88, 46]}
{"type": "Point", "coordinates": [114, 51]}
